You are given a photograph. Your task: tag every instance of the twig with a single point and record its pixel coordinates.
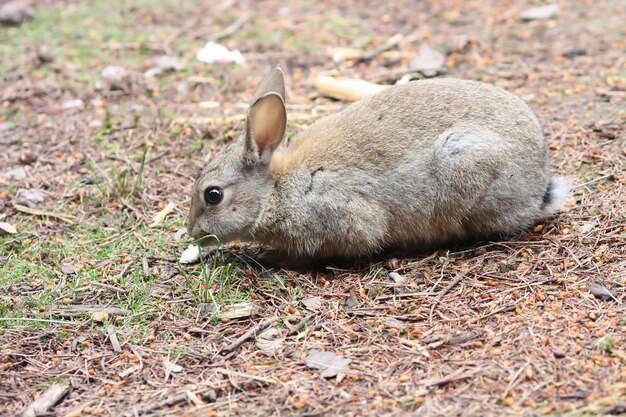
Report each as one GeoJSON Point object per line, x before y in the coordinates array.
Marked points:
{"type": "Point", "coordinates": [51, 397]}
{"type": "Point", "coordinates": [65, 217]}
{"type": "Point", "coordinates": [258, 328]}
{"type": "Point", "coordinates": [75, 310]}
{"type": "Point", "coordinates": [443, 292]}
{"type": "Point", "coordinates": [514, 379]}
{"type": "Point", "coordinates": [109, 286]}
{"type": "Point", "coordinates": [391, 42]}
{"type": "Point", "coordinates": [403, 295]}
{"type": "Point", "coordinates": [504, 309]}
{"type": "Point", "coordinates": [170, 401]}
{"type": "Point", "coordinates": [454, 376]}
{"type": "Point", "coordinates": [232, 28]}
{"type": "Point", "coordinates": [113, 339]}
{"type": "Point", "coordinates": [36, 320]}
{"type": "Point", "coordinates": [609, 177]}
{"type": "Point", "coordinates": [244, 375]}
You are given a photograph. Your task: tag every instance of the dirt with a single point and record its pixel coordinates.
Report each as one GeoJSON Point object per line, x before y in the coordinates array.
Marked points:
{"type": "Point", "coordinates": [519, 334]}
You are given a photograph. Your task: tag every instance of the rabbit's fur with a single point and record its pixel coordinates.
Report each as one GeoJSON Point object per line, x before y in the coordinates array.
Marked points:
{"type": "Point", "coordinates": [426, 162]}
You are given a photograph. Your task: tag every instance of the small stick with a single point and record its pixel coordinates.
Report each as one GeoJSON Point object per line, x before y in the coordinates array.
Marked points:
{"type": "Point", "coordinates": [113, 339]}
{"type": "Point", "coordinates": [232, 28]}
{"type": "Point", "coordinates": [51, 397]}
{"type": "Point", "coordinates": [504, 309]}
{"type": "Point", "coordinates": [248, 376]}
{"type": "Point", "coordinates": [258, 328]}
{"type": "Point", "coordinates": [75, 310]}
{"type": "Point", "coordinates": [404, 295]}
{"type": "Point", "coordinates": [604, 177]}
{"type": "Point", "coordinates": [443, 292]}
{"type": "Point", "coordinates": [65, 217]}
{"type": "Point", "coordinates": [167, 402]}
{"type": "Point", "coordinates": [125, 270]}
{"type": "Point", "coordinates": [391, 42]}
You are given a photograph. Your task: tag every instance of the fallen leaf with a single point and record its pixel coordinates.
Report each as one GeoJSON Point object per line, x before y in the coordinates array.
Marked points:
{"type": "Point", "coordinates": [395, 323]}
{"type": "Point", "coordinates": [352, 301]}
{"type": "Point", "coordinates": [397, 278]}
{"type": "Point", "coordinates": [163, 64]}
{"type": "Point", "coordinates": [602, 293]}
{"type": "Point", "coordinates": [240, 310]}
{"type": "Point", "coordinates": [99, 316]}
{"type": "Point", "coordinates": [68, 269]}
{"type": "Point", "coordinates": [29, 198]}
{"type": "Point", "coordinates": [329, 363]}
{"type": "Point", "coordinates": [73, 104]}
{"type": "Point", "coordinates": [270, 342]}
{"type": "Point", "coordinates": [7, 229]}
{"type": "Point", "coordinates": [586, 228]}
{"type": "Point", "coordinates": [114, 73]}
{"type": "Point", "coordinates": [538, 13]}
{"type": "Point", "coordinates": [161, 215]}
{"type": "Point", "coordinates": [347, 89]}
{"type": "Point", "coordinates": [170, 367]}
{"type": "Point", "coordinates": [312, 303]}
{"type": "Point", "coordinates": [428, 60]}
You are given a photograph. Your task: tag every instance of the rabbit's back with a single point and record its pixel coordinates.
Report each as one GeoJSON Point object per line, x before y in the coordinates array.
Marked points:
{"type": "Point", "coordinates": [404, 119]}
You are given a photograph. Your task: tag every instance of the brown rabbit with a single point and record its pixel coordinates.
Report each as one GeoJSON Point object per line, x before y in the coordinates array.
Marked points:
{"type": "Point", "coordinates": [422, 163]}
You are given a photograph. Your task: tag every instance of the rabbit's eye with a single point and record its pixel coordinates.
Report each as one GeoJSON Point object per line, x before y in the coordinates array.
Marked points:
{"type": "Point", "coordinates": [213, 195]}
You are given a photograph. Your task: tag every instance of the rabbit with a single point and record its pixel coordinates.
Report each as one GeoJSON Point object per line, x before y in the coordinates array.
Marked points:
{"type": "Point", "coordinates": [427, 162]}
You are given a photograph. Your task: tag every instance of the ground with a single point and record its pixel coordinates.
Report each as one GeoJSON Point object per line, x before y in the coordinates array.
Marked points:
{"type": "Point", "coordinates": [499, 328]}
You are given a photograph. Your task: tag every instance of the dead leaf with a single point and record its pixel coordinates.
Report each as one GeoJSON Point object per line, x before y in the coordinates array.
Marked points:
{"type": "Point", "coordinates": [538, 13]}
{"type": "Point", "coordinates": [240, 310]}
{"type": "Point", "coordinates": [68, 269]}
{"type": "Point", "coordinates": [329, 363]}
{"type": "Point", "coordinates": [312, 303]}
{"type": "Point", "coordinates": [170, 367]}
{"type": "Point", "coordinates": [586, 228]}
{"type": "Point", "coordinates": [395, 323]}
{"type": "Point", "coordinates": [353, 300]}
{"type": "Point", "coordinates": [428, 60]}
{"type": "Point", "coordinates": [29, 198]}
{"type": "Point", "coordinates": [347, 89]}
{"type": "Point", "coordinates": [602, 293]}
{"type": "Point", "coordinates": [99, 316]}
{"type": "Point", "coordinates": [270, 342]}
{"type": "Point", "coordinates": [7, 229]}
{"type": "Point", "coordinates": [397, 278]}
{"type": "Point", "coordinates": [161, 215]}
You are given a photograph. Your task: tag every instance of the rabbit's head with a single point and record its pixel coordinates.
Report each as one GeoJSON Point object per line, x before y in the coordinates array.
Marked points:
{"type": "Point", "coordinates": [232, 189]}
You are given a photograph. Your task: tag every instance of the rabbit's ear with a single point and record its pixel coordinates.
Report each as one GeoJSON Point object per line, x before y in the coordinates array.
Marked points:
{"type": "Point", "coordinates": [267, 120]}
{"type": "Point", "coordinates": [274, 82]}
